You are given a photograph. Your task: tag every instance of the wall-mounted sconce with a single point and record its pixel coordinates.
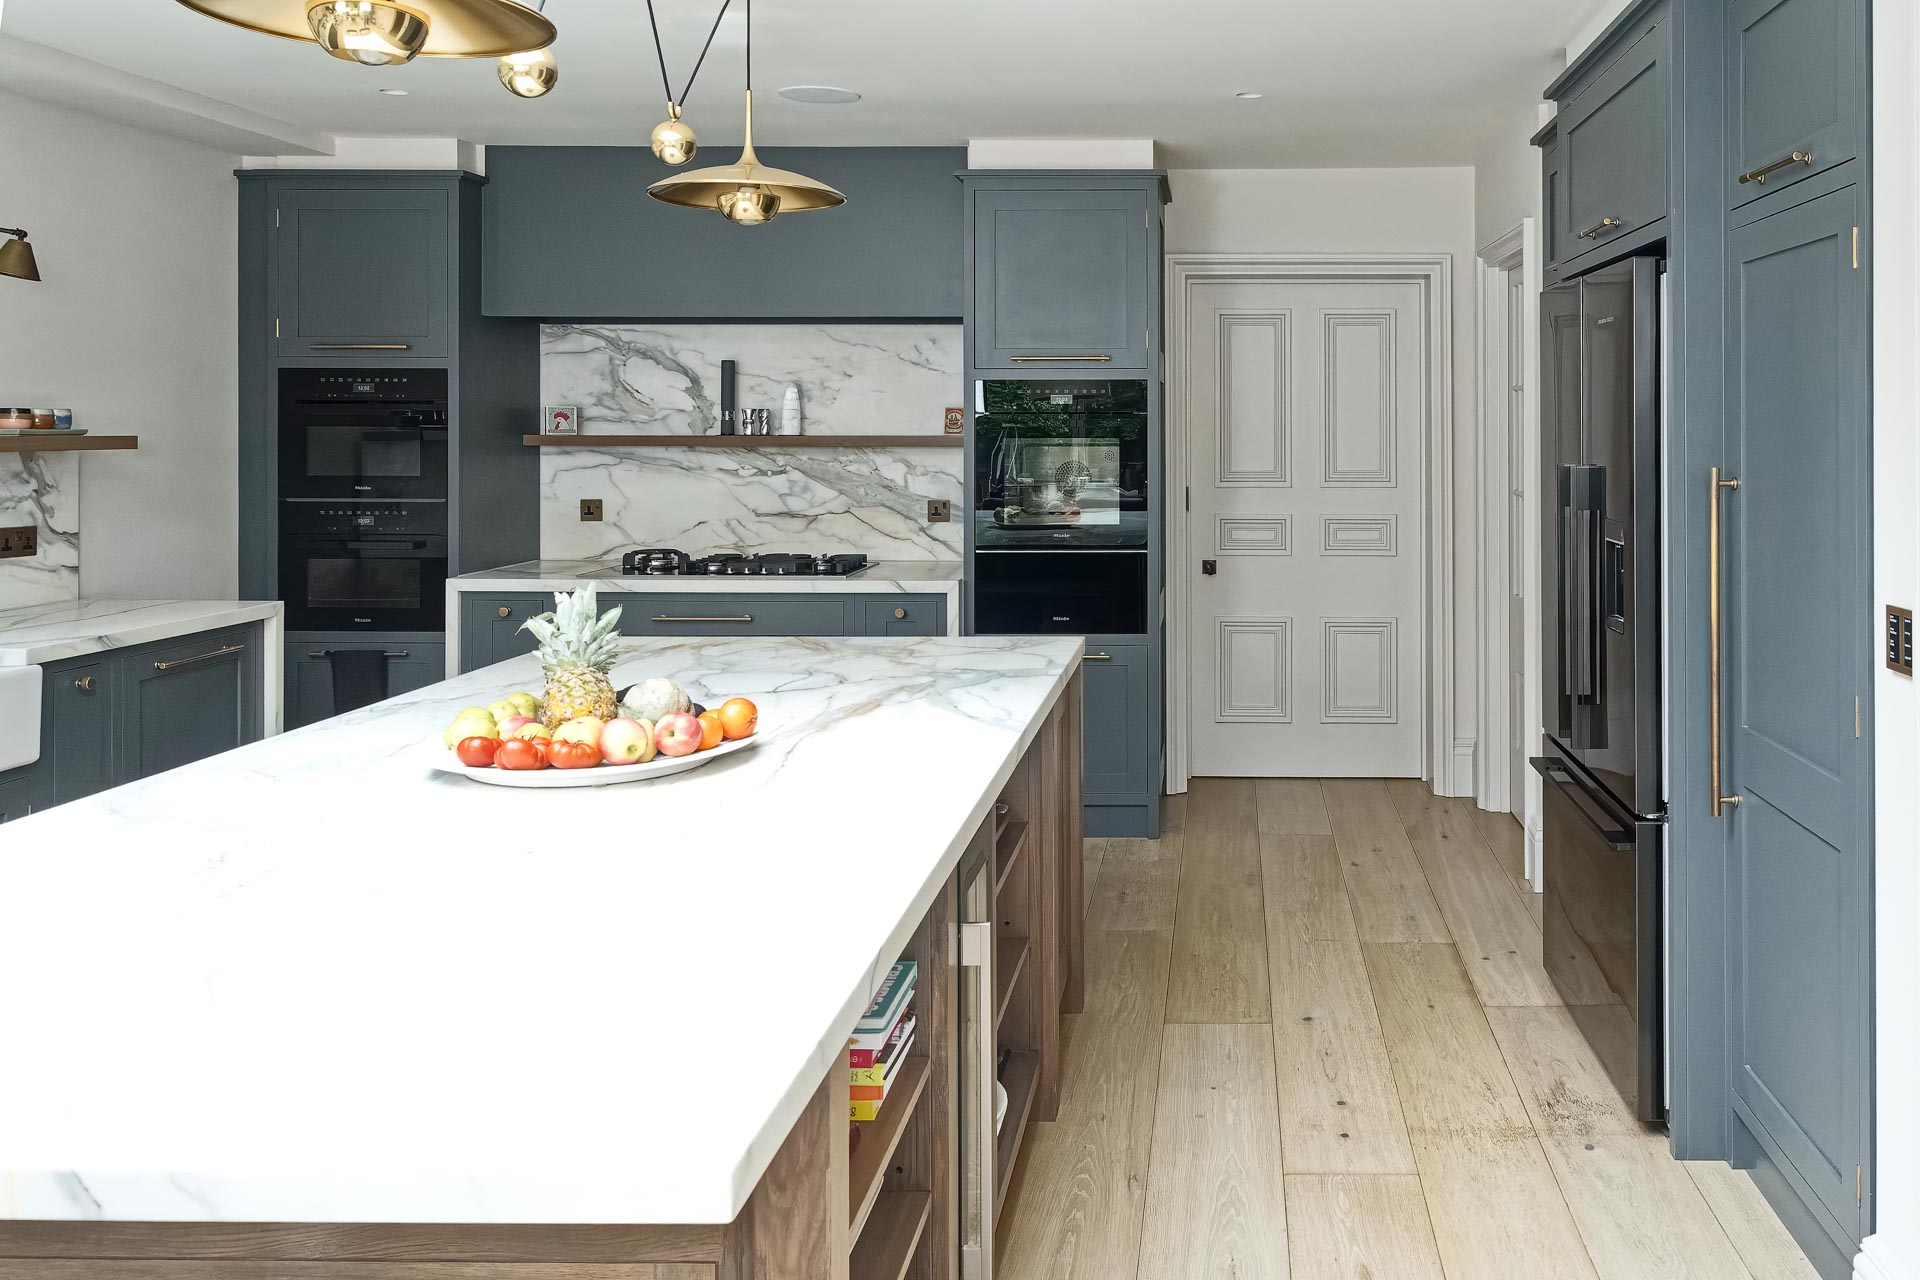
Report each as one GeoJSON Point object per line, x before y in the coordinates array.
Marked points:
{"type": "Point", "coordinates": [16, 256]}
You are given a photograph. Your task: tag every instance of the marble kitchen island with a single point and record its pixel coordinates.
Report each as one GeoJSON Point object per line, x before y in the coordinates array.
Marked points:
{"type": "Point", "coordinates": [310, 981]}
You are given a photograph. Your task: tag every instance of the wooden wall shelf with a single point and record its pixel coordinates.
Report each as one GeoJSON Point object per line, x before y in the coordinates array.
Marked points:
{"type": "Point", "coordinates": [743, 442]}
{"type": "Point", "coordinates": [65, 444]}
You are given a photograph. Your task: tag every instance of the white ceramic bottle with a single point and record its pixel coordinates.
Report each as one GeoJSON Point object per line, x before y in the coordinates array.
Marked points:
{"type": "Point", "coordinates": [790, 411]}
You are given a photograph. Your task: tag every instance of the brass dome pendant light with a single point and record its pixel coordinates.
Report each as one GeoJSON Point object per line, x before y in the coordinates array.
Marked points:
{"type": "Point", "coordinates": [747, 192]}
{"type": "Point", "coordinates": [531, 73]}
{"type": "Point", "coordinates": [385, 33]}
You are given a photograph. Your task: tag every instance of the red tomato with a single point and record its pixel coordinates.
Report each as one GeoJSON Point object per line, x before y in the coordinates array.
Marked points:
{"type": "Point", "coordinates": [477, 752]}
{"type": "Point", "coordinates": [521, 753]}
{"type": "Point", "coordinates": [573, 755]}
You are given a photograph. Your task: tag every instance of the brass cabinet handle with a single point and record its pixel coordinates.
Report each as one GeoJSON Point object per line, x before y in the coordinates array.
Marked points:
{"type": "Point", "coordinates": [177, 663]}
{"type": "Point", "coordinates": [1098, 657]}
{"type": "Point", "coordinates": [738, 617]}
{"type": "Point", "coordinates": [1599, 229]}
{"type": "Point", "coordinates": [1060, 359]}
{"type": "Point", "coordinates": [1715, 801]}
{"type": "Point", "coordinates": [1759, 176]}
{"type": "Point", "coordinates": [360, 346]}
{"type": "Point", "coordinates": [899, 613]}
{"type": "Point", "coordinates": [327, 653]}
{"type": "Point", "coordinates": [506, 611]}
{"type": "Point", "coordinates": [84, 684]}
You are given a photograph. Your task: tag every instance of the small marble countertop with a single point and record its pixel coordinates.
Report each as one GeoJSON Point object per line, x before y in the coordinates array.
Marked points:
{"type": "Point", "coordinates": [49, 632]}
{"type": "Point", "coordinates": [313, 980]}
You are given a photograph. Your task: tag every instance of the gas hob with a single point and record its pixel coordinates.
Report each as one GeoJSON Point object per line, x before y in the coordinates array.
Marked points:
{"type": "Point", "coordinates": [666, 562]}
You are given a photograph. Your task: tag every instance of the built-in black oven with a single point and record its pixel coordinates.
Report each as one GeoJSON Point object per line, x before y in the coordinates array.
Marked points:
{"type": "Point", "coordinates": [363, 433]}
{"type": "Point", "coordinates": [375, 565]}
{"type": "Point", "coordinates": [1076, 593]}
{"type": "Point", "coordinates": [1059, 465]}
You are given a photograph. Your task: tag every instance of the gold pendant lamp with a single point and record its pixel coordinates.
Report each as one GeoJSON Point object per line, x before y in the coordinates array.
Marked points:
{"type": "Point", "coordinates": [384, 33]}
{"type": "Point", "coordinates": [746, 192]}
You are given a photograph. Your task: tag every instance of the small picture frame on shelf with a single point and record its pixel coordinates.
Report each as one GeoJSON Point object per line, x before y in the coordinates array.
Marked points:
{"type": "Point", "coordinates": [560, 420]}
{"type": "Point", "coordinates": [956, 422]}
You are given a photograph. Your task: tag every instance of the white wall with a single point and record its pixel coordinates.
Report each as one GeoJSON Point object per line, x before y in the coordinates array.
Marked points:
{"type": "Point", "coordinates": [1506, 176]}
{"type": "Point", "coordinates": [133, 329]}
{"type": "Point", "coordinates": [1365, 211]}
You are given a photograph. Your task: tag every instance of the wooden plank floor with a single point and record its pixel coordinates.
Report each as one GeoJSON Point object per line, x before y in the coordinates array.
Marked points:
{"type": "Point", "coordinates": [1318, 1043]}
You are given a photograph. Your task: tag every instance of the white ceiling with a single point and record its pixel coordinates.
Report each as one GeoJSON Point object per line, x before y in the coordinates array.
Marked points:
{"type": "Point", "coordinates": [1346, 82]}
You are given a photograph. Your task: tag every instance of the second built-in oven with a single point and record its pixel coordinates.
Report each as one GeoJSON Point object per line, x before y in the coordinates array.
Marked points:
{"type": "Point", "coordinates": [363, 565]}
{"type": "Point", "coordinates": [363, 433]}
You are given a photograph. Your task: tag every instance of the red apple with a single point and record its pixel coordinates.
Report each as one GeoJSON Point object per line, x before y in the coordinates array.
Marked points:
{"type": "Point", "coordinates": [511, 726]}
{"type": "Point", "coordinates": [678, 734]}
{"type": "Point", "coordinates": [624, 740]}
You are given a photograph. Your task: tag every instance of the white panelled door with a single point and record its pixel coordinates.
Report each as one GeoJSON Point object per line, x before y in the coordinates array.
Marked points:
{"type": "Point", "coordinates": [1304, 420]}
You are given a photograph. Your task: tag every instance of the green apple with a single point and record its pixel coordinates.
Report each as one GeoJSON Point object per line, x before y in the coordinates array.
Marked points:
{"type": "Point", "coordinates": [524, 704]}
{"type": "Point", "coordinates": [503, 708]}
{"type": "Point", "coordinates": [533, 729]}
{"type": "Point", "coordinates": [580, 729]}
{"type": "Point", "coordinates": [474, 722]}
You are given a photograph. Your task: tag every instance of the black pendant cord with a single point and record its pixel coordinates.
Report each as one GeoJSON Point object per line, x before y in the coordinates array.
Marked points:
{"type": "Point", "coordinates": [660, 51]}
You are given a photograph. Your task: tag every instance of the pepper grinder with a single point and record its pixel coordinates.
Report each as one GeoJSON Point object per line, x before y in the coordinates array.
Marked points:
{"type": "Point", "coordinates": [728, 403]}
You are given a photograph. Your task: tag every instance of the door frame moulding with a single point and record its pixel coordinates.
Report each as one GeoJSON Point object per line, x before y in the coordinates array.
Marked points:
{"type": "Point", "coordinates": [1518, 249]}
{"type": "Point", "coordinates": [1446, 762]}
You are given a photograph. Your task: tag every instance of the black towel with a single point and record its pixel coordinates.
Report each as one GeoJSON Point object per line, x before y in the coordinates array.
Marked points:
{"type": "Point", "coordinates": [359, 678]}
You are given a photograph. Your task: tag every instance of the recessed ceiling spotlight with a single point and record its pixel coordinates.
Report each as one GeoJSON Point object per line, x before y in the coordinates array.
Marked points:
{"type": "Point", "coordinates": [1249, 96]}
{"type": "Point", "coordinates": [394, 93]}
{"type": "Point", "coordinates": [819, 93]}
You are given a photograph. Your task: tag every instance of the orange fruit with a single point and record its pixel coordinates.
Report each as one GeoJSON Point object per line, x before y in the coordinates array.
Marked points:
{"type": "Point", "coordinates": [710, 730]}
{"type": "Point", "coordinates": [739, 718]}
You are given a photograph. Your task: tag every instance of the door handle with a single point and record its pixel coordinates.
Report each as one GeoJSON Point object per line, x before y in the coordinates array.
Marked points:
{"type": "Point", "coordinates": [1209, 567]}
{"type": "Point", "coordinates": [1715, 801]}
{"type": "Point", "coordinates": [1555, 772]}
{"type": "Point", "coordinates": [222, 652]}
{"type": "Point", "coordinates": [976, 953]}
{"type": "Point", "coordinates": [1599, 229]}
{"type": "Point", "coordinates": [327, 653]}
{"type": "Point", "coordinates": [1759, 176]}
{"type": "Point", "coordinates": [1060, 359]}
{"type": "Point", "coordinates": [84, 684]}
{"type": "Point", "coordinates": [1097, 657]}
{"type": "Point", "coordinates": [360, 346]}
{"type": "Point", "coordinates": [738, 617]}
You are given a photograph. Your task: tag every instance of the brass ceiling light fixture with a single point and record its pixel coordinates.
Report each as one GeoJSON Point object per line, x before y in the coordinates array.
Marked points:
{"type": "Point", "coordinates": [531, 73]}
{"type": "Point", "coordinates": [16, 256]}
{"type": "Point", "coordinates": [747, 192]}
{"type": "Point", "coordinates": [673, 141]}
{"type": "Point", "coordinates": [385, 33]}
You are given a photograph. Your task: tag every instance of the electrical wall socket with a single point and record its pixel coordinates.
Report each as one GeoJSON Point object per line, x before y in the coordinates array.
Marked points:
{"type": "Point", "coordinates": [19, 540]}
{"type": "Point", "coordinates": [589, 509]}
{"type": "Point", "coordinates": [939, 511]}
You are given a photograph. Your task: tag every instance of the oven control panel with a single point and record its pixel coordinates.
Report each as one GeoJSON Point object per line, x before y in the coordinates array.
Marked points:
{"type": "Point", "coordinates": [323, 516]}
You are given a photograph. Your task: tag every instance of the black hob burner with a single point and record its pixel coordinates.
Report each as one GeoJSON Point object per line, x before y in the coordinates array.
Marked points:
{"type": "Point", "coordinates": [665, 562]}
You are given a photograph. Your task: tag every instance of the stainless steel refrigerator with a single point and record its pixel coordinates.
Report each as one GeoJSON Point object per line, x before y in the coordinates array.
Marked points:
{"type": "Point", "coordinates": [1604, 789]}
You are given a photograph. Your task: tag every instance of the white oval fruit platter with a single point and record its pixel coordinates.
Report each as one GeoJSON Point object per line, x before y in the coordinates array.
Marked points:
{"type": "Point", "coordinates": [583, 733]}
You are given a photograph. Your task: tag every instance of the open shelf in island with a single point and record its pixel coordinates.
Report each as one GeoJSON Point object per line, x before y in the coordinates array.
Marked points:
{"type": "Point", "coordinates": [885, 1249]}
{"type": "Point", "coordinates": [743, 442]}
{"type": "Point", "coordinates": [879, 1138]}
{"type": "Point", "coordinates": [1019, 1079]}
{"type": "Point", "coordinates": [1011, 839]}
{"type": "Point", "coordinates": [1009, 962]}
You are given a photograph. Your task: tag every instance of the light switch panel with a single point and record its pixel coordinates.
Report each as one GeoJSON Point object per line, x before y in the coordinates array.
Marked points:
{"type": "Point", "coordinates": [1899, 640]}
{"type": "Point", "coordinates": [590, 509]}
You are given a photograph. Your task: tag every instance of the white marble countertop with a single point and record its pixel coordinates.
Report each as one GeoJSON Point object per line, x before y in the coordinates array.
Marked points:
{"type": "Point", "coordinates": [47, 633]}
{"type": "Point", "coordinates": [312, 980]}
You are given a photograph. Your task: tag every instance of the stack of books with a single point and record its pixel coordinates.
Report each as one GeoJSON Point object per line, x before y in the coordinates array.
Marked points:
{"type": "Point", "coordinates": [881, 1042]}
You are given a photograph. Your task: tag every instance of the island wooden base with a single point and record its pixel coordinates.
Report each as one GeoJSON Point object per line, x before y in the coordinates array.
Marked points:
{"type": "Point", "coordinates": [817, 1214]}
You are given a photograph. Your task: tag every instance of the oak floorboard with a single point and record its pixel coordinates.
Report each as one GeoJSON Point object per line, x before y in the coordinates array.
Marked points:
{"type": "Point", "coordinates": [1496, 1208]}
{"type": "Point", "coordinates": [1499, 942]}
{"type": "Point", "coordinates": [1075, 1207]}
{"type": "Point", "coordinates": [1638, 1211]}
{"type": "Point", "coordinates": [1392, 901]}
{"type": "Point", "coordinates": [1139, 884]}
{"type": "Point", "coordinates": [1359, 1227]}
{"type": "Point", "coordinates": [1219, 937]}
{"type": "Point", "coordinates": [1305, 894]}
{"type": "Point", "coordinates": [1216, 1206]}
{"type": "Point", "coordinates": [1292, 806]}
{"type": "Point", "coordinates": [1508, 840]}
{"type": "Point", "coordinates": [1339, 1109]}
{"type": "Point", "coordinates": [1764, 1244]}
{"type": "Point", "coordinates": [1536, 907]}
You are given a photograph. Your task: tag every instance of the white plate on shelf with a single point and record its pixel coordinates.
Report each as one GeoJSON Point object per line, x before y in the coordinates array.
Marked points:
{"type": "Point", "coordinates": [601, 775]}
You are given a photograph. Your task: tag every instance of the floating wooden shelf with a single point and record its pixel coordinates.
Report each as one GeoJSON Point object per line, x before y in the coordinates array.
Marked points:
{"type": "Point", "coordinates": [1009, 958]}
{"type": "Point", "coordinates": [885, 1248]}
{"type": "Point", "coordinates": [1012, 841]}
{"type": "Point", "coordinates": [879, 1138]}
{"type": "Point", "coordinates": [1019, 1079]}
{"type": "Point", "coordinates": [65, 444]}
{"type": "Point", "coordinates": [743, 442]}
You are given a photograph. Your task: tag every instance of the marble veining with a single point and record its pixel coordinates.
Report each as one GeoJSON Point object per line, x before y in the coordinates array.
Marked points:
{"type": "Point", "coordinates": [664, 380]}
{"type": "Point", "coordinates": [43, 490]}
{"type": "Point", "coordinates": [366, 992]}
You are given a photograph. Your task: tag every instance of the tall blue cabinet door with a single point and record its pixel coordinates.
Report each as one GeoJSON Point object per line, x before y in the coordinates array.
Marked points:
{"type": "Point", "coordinates": [185, 702]}
{"type": "Point", "coordinates": [360, 273]}
{"type": "Point", "coordinates": [1796, 87]}
{"type": "Point", "coordinates": [1060, 279]}
{"type": "Point", "coordinates": [1117, 755]}
{"type": "Point", "coordinates": [77, 742]}
{"type": "Point", "coordinates": [1797, 667]}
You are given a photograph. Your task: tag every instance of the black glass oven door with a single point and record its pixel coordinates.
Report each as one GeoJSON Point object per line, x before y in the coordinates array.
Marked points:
{"type": "Point", "coordinates": [388, 584]}
{"type": "Point", "coordinates": [1060, 465]}
{"type": "Point", "coordinates": [1076, 593]}
{"type": "Point", "coordinates": [337, 453]}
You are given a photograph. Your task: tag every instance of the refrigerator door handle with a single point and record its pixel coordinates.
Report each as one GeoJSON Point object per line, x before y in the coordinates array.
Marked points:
{"type": "Point", "coordinates": [1578, 798]}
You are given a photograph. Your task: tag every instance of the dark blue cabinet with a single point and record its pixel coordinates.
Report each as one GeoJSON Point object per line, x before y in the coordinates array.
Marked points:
{"type": "Point", "coordinates": [1117, 754]}
{"type": "Point", "coordinates": [411, 664]}
{"type": "Point", "coordinates": [905, 616]}
{"type": "Point", "coordinates": [1796, 91]}
{"type": "Point", "coordinates": [77, 740]}
{"type": "Point", "coordinates": [1614, 148]}
{"type": "Point", "coordinates": [1061, 276]}
{"type": "Point", "coordinates": [16, 794]}
{"type": "Point", "coordinates": [490, 627]}
{"type": "Point", "coordinates": [361, 273]}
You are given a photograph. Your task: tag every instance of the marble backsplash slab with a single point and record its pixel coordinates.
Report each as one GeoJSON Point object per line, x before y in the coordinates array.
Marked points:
{"type": "Point", "coordinates": [43, 490]}
{"type": "Point", "coordinates": [854, 379]}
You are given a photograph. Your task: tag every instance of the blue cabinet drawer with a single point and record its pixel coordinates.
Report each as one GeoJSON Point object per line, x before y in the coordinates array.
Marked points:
{"type": "Point", "coordinates": [742, 615]}
{"type": "Point", "coordinates": [904, 616]}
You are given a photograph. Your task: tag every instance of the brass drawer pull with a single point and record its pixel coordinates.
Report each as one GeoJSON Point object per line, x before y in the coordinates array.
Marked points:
{"type": "Point", "coordinates": [361, 346]}
{"type": "Point", "coordinates": [1759, 176]}
{"type": "Point", "coordinates": [177, 663]}
{"type": "Point", "coordinates": [506, 611]}
{"type": "Point", "coordinates": [1599, 229]}
{"type": "Point", "coordinates": [1099, 657]}
{"type": "Point", "coordinates": [899, 613]}
{"type": "Point", "coordinates": [1061, 359]}
{"type": "Point", "coordinates": [738, 617]}
{"type": "Point", "coordinates": [328, 653]}
{"type": "Point", "coordinates": [1715, 801]}
{"type": "Point", "coordinates": [84, 684]}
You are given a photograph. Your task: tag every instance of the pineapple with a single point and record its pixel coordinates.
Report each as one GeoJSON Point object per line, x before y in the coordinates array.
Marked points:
{"type": "Point", "coordinates": [576, 648]}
